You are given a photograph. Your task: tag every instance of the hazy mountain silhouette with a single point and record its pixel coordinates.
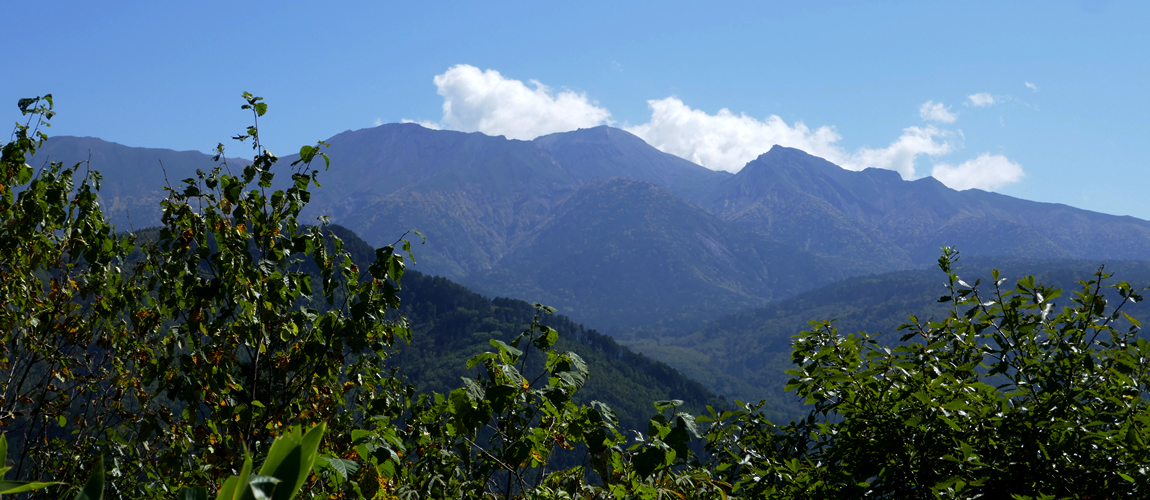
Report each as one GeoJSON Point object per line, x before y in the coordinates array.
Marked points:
{"type": "Point", "coordinates": [873, 220]}
{"type": "Point", "coordinates": [673, 242]}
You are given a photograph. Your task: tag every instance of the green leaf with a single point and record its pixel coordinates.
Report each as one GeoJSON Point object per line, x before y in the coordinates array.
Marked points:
{"type": "Point", "coordinates": [687, 421]}
{"type": "Point", "coordinates": [1131, 320]}
{"type": "Point", "coordinates": [505, 349]}
{"type": "Point", "coordinates": [479, 358]}
{"type": "Point", "coordinates": [306, 153]}
{"type": "Point", "coordinates": [548, 339]}
{"type": "Point", "coordinates": [94, 488]}
{"type": "Point", "coordinates": [291, 458]}
{"type": "Point", "coordinates": [24, 174]}
{"type": "Point", "coordinates": [950, 423]}
{"type": "Point", "coordinates": [13, 487]}
{"type": "Point", "coordinates": [343, 467]}
{"type": "Point", "coordinates": [235, 486]}
{"type": "Point", "coordinates": [648, 460]}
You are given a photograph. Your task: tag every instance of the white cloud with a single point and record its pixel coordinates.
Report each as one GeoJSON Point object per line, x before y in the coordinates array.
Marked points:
{"type": "Point", "coordinates": [377, 122]}
{"type": "Point", "coordinates": [726, 141]}
{"type": "Point", "coordinates": [425, 124]}
{"type": "Point", "coordinates": [901, 154]}
{"type": "Point", "coordinates": [987, 172]}
{"type": "Point", "coordinates": [981, 99]}
{"type": "Point", "coordinates": [1031, 86]}
{"type": "Point", "coordinates": [936, 112]}
{"type": "Point", "coordinates": [488, 102]}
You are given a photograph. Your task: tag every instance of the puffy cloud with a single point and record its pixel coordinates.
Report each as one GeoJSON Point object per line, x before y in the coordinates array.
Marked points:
{"type": "Point", "coordinates": [377, 122]}
{"type": "Point", "coordinates": [726, 141]}
{"type": "Point", "coordinates": [901, 154]}
{"type": "Point", "coordinates": [981, 99]}
{"type": "Point", "coordinates": [1031, 86]}
{"type": "Point", "coordinates": [987, 172]}
{"type": "Point", "coordinates": [936, 112]}
{"type": "Point", "coordinates": [488, 102]}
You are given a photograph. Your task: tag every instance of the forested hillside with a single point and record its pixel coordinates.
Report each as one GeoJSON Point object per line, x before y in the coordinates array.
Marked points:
{"type": "Point", "coordinates": [744, 355]}
{"type": "Point", "coordinates": [451, 324]}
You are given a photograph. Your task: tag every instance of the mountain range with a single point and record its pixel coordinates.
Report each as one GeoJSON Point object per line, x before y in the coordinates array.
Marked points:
{"type": "Point", "coordinates": [622, 236]}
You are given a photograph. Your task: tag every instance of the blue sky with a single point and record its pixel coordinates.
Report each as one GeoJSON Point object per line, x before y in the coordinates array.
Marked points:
{"type": "Point", "coordinates": [866, 84]}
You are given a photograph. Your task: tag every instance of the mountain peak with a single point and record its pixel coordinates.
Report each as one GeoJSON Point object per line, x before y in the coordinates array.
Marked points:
{"type": "Point", "coordinates": [782, 157]}
{"type": "Point", "coordinates": [601, 134]}
{"type": "Point", "coordinates": [604, 152]}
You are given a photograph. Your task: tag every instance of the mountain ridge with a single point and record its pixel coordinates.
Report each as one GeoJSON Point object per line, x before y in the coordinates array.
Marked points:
{"type": "Point", "coordinates": [485, 203]}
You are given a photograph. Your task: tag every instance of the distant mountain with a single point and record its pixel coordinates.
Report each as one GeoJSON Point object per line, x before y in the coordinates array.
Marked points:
{"type": "Point", "coordinates": [134, 178]}
{"type": "Point", "coordinates": [674, 245]}
{"type": "Point", "coordinates": [471, 194]}
{"type": "Point", "coordinates": [873, 220]}
{"type": "Point", "coordinates": [474, 195]}
{"type": "Point", "coordinates": [604, 152]}
{"type": "Point", "coordinates": [627, 253]}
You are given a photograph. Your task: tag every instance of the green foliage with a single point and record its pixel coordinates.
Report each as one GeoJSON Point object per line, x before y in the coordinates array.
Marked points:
{"type": "Point", "coordinates": [450, 324]}
{"type": "Point", "coordinates": [1009, 394]}
{"type": "Point", "coordinates": [61, 294]}
{"type": "Point", "coordinates": [500, 433]}
{"type": "Point", "coordinates": [286, 467]}
{"type": "Point", "coordinates": [94, 488]}
{"type": "Point", "coordinates": [12, 487]}
{"type": "Point", "coordinates": [745, 356]}
{"type": "Point", "coordinates": [171, 356]}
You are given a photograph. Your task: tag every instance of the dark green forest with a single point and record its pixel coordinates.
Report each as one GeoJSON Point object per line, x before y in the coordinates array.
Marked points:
{"type": "Point", "coordinates": [450, 324]}
{"type": "Point", "coordinates": [237, 351]}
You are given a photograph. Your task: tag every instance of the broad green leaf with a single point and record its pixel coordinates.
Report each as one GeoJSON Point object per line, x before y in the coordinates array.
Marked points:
{"type": "Point", "coordinates": [687, 421]}
{"type": "Point", "coordinates": [548, 339]}
{"type": "Point", "coordinates": [345, 468]}
{"type": "Point", "coordinates": [234, 487]}
{"type": "Point", "coordinates": [13, 487]}
{"type": "Point", "coordinates": [94, 488]}
{"type": "Point", "coordinates": [647, 461]}
{"type": "Point", "coordinates": [291, 458]}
